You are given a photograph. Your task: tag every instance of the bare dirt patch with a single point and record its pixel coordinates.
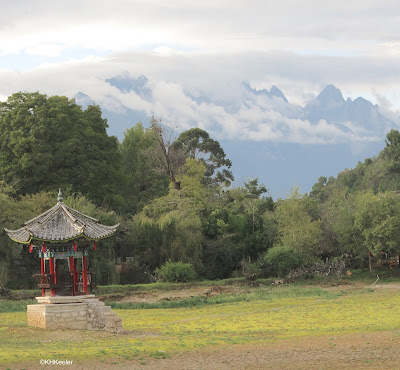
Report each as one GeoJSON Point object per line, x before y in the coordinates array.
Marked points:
{"type": "Point", "coordinates": [377, 350]}
{"type": "Point", "coordinates": [210, 291]}
{"type": "Point", "coordinates": [391, 286]}
{"type": "Point", "coordinates": [175, 295]}
{"type": "Point", "coordinates": [356, 351]}
{"type": "Point", "coordinates": [356, 285]}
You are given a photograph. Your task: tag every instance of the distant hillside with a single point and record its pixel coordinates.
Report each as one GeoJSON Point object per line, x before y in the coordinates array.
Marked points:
{"type": "Point", "coordinates": [379, 174]}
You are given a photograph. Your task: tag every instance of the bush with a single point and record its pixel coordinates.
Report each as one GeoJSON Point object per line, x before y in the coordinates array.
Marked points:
{"type": "Point", "coordinates": [176, 272]}
{"type": "Point", "coordinates": [280, 260]}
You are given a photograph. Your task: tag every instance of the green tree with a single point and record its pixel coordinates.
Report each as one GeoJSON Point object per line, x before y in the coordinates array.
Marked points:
{"type": "Point", "coordinates": [246, 218]}
{"type": "Point", "coordinates": [339, 232]}
{"type": "Point", "coordinates": [165, 156]}
{"type": "Point", "coordinates": [254, 192]}
{"type": "Point", "coordinates": [392, 150]}
{"type": "Point", "coordinates": [298, 226]}
{"type": "Point", "coordinates": [318, 189]}
{"type": "Point", "coordinates": [391, 154]}
{"type": "Point", "coordinates": [49, 142]}
{"type": "Point", "coordinates": [377, 216]}
{"type": "Point", "coordinates": [196, 143]}
{"type": "Point", "coordinates": [175, 219]}
{"type": "Point", "coordinates": [142, 182]}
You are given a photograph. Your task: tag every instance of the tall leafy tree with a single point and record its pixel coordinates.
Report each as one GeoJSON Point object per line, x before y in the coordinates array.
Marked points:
{"type": "Point", "coordinates": [176, 219]}
{"type": "Point", "coordinates": [339, 235]}
{"type": "Point", "coordinates": [377, 216]}
{"type": "Point", "coordinates": [166, 157]}
{"type": "Point", "coordinates": [245, 220]}
{"type": "Point", "coordinates": [142, 180]}
{"type": "Point", "coordinates": [50, 142]}
{"type": "Point", "coordinates": [392, 152]}
{"type": "Point", "coordinates": [298, 227]}
{"type": "Point", "coordinates": [197, 143]}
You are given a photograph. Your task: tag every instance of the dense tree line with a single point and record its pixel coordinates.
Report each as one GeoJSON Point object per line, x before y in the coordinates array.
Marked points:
{"type": "Point", "coordinates": [172, 197]}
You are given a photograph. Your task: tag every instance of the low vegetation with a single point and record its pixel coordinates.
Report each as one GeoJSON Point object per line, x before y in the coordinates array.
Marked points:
{"type": "Point", "coordinates": [262, 294]}
{"type": "Point", "coordinates": [176, 272]}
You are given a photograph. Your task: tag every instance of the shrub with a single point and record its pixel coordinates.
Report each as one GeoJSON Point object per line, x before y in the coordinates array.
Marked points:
{"type": "Point", "coordinates": [176, 272]}
{"type": "Point", "coordinates": [280, 260]}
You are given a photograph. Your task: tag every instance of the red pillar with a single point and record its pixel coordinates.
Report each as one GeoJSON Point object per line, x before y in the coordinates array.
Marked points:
{"type": "Point", "coordinates": [76, 272]}
{"type": "Point", "coordinates": [56, 267]}
{"type": "Point", "coordinates": [51, 263]}
{"type": "Point", "coordinates": [76, 275]}
{"type": "Point", "coordinates": [42, 267]}
{"type": "Point", "coordinates": [72, 271]}
{"type": "Point", "coordinates": [84, 275]}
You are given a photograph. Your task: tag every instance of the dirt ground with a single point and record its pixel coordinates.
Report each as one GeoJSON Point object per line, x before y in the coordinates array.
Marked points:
{"type": "Point", "coordinates": [378, 350]}
{"type": "Point", "coordinates": [373, 351]}
{"type": "Point", "coordinates": [174, 295]}
{"type": "Point", "coordinates": [209, 291]}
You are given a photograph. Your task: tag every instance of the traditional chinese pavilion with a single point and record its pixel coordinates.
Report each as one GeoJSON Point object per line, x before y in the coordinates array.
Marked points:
{"type": "Point", "coordinates": [57, 234]}
{"type": "Point", "coordinates": [58, 230]}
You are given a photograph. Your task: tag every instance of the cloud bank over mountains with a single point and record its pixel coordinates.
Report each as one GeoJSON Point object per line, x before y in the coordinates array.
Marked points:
{"type": "Point", "coordinates": [249, 114]}
{"type": "Point", "coordinates": [262, 132]}
{"type": "Point", "coordinates": [286, 135]}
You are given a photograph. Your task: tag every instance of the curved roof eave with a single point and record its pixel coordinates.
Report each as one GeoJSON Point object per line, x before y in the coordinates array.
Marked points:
{"type": "Point", "coordinates": [61, 224]}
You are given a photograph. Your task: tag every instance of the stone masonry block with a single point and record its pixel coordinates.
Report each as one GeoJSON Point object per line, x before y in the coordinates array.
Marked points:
{"type": "Point", "coordinates": [82, 313]}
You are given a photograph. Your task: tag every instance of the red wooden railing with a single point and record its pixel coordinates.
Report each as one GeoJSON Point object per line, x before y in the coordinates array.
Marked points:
{"type": "Point", "coordinates": [64, 282]}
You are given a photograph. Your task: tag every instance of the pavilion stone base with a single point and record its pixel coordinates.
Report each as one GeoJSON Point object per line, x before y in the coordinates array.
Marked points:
{"type": "Point", "coordinates": [78, 312]}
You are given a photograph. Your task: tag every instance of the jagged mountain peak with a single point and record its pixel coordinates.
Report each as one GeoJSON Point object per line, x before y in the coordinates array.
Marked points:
{"type": "Point", "coordinates": [274, 92]}
{"type": "Point", "coordinates": [278, 93]}
{"type": "Point", "coordinates": [331, 94]}
{"type": "Point", "coordinates": [360, 101]}
{"type": "Point", "coordinates": [83, 100]}
{"type": "Point", "coordinates": [81, 95]}
{"type": "Point", "coordinates": [126, 83]}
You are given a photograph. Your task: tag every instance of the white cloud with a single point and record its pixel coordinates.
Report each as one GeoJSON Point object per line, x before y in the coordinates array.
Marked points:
{"type": "Point", "coordinates": [335, 28]}
{"type": "Point", "coordinates": [209, 48]}
{"type": "Point", "coordinates": [232, 112]}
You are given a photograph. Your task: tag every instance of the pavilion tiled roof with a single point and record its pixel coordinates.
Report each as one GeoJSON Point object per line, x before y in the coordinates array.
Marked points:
{"type": "Point", "coordinates": [60, 224]}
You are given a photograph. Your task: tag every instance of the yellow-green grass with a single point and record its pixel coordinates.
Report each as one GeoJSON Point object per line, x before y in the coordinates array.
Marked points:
{"type": "Point", "coordinates": [164, 332]}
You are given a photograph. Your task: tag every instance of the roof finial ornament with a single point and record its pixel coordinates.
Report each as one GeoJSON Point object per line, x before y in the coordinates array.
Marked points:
{"type": "Point", "coordinates": [60, 198]}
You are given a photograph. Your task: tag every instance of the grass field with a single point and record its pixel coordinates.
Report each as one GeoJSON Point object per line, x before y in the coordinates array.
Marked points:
{"type": "Point", "coordinates": [265, 317]}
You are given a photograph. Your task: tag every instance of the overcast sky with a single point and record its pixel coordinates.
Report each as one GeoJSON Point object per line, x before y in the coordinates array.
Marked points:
{"type": "Point", "coordinates": [205, 48]}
